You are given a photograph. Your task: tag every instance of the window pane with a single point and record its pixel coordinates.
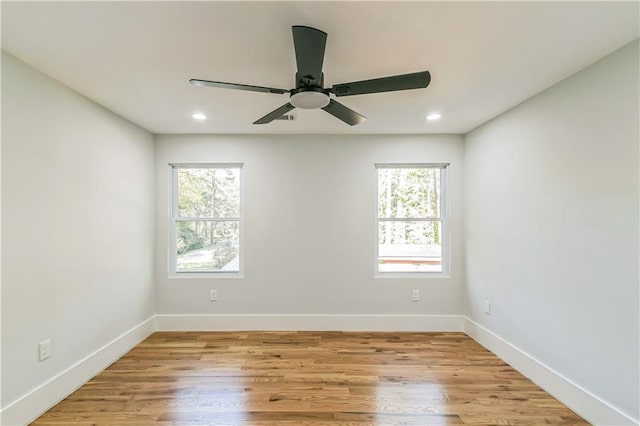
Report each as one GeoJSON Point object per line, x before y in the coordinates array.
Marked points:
{"type": "Point", "coordinates": [204, 193]}
{"type": "Point", "coordinates": [409, 192]}
{"type": "Point", "coordinates": [207, 246]}
{"type": "Point", "coordinates": [195, 189]}
{"type": "Point", "coordinates": [409, 246]}
{"type": "Point", "coordinates": [226, 193]}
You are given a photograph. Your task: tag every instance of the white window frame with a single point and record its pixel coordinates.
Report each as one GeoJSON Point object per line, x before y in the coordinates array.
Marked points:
{"type": "Point", "coordinates": [443, 219]}
{"type": "Point", "coordinates": [174, 217]}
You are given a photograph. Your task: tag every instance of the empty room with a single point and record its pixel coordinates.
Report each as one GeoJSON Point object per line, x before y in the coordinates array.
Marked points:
{"type": "Point", "coordinates": [320, 213]}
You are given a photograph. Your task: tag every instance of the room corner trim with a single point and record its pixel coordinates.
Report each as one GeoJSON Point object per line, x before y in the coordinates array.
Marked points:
{"type": "Point", "coordinates": [591, 407]}
{"type": "Point", "coordinates": [235, 322]}
{"type": "Point", "coordinates": [36, 402]}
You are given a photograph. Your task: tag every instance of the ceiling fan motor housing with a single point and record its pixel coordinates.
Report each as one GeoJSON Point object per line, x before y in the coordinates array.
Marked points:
{"type": "Point", "coordinates": [309, 80]}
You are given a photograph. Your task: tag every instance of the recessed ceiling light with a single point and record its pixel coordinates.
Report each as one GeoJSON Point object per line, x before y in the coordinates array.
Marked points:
{"type": "Point", "coordinates": [434, 116]}
{"type": "Point", "coordinates": [199, 116]}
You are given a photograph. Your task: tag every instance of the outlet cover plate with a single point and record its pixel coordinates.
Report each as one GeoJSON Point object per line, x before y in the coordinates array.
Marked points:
{"type": "Point", "coordinates": [44, 349]}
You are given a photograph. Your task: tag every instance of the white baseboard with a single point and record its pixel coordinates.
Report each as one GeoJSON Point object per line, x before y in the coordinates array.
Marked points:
{"type": "Point", "coordinates": [39, 400]}
{"type": "Point", "coordinates": [168, 322]}
{"type": "Point", "coordinates": [584, 403]}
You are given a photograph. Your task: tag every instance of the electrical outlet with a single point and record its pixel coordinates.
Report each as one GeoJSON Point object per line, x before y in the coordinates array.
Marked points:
{"type": "Point", "coordinates": [213, 295]}
{"type": "Point", "coordinates": [487, 307]}
{"type": "Point", "coordinates": [416, 296]}
{"type": "Point", "coordinates": [45, 349]}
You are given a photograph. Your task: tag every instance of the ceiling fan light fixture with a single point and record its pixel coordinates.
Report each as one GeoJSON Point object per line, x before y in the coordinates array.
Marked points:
{"type": "Point", "coordinates": [309, 100]}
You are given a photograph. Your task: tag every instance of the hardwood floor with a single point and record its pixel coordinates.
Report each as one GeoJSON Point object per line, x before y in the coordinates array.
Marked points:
{"type": "Point", "coordinates": [309, 378]}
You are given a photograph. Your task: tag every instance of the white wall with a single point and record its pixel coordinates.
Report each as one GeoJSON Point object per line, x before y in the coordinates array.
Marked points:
{"type": "Point", "coordinates": [77, 222]}
{"type": "Point", "coordinates": [551, 227]}
{"type": "Point", "coordinates": [309, 242]}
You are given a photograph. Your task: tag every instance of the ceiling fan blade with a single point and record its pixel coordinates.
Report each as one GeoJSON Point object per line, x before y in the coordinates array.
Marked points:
{"type": "Point", "coordinates": [416, 80]}
{"type": "Point", "coordinates": [309, 44]}
{"type": "Point", "coordinates": [343, 113]}
{"type": "Point", "coordinates": [236, 86]}
{"type": "Point", "coordinates": [275, 114]}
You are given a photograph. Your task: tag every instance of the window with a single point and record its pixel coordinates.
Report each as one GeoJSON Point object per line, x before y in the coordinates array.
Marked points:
{"type": "Point", "coordinates": [206, 218]}
{"type": "Point", "coordinates": [412, 219]}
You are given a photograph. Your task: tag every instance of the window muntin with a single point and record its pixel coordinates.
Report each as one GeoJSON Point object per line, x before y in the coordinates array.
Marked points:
{"type": "Point", "coordinates": [206, 218]}
{"type": "Point", "coordinates": [411, 219]}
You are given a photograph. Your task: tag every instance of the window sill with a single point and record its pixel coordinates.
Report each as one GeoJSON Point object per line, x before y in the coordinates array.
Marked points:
{"type": "Point", "coordinates": [412, 275]}
{"type": "Point", "coordinates": [213, 275]}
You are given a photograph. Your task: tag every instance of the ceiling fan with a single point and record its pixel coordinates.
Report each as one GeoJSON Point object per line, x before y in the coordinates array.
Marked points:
{"type": "Point", "coordinates": [309, 44]}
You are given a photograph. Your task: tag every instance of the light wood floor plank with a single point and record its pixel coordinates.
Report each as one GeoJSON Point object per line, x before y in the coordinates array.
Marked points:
{"type": "Point", "coordinates": [308, 379]}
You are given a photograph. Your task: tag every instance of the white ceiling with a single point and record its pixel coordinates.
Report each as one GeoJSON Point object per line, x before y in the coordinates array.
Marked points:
{"type": "Point", "coordinates": [136, 58]}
